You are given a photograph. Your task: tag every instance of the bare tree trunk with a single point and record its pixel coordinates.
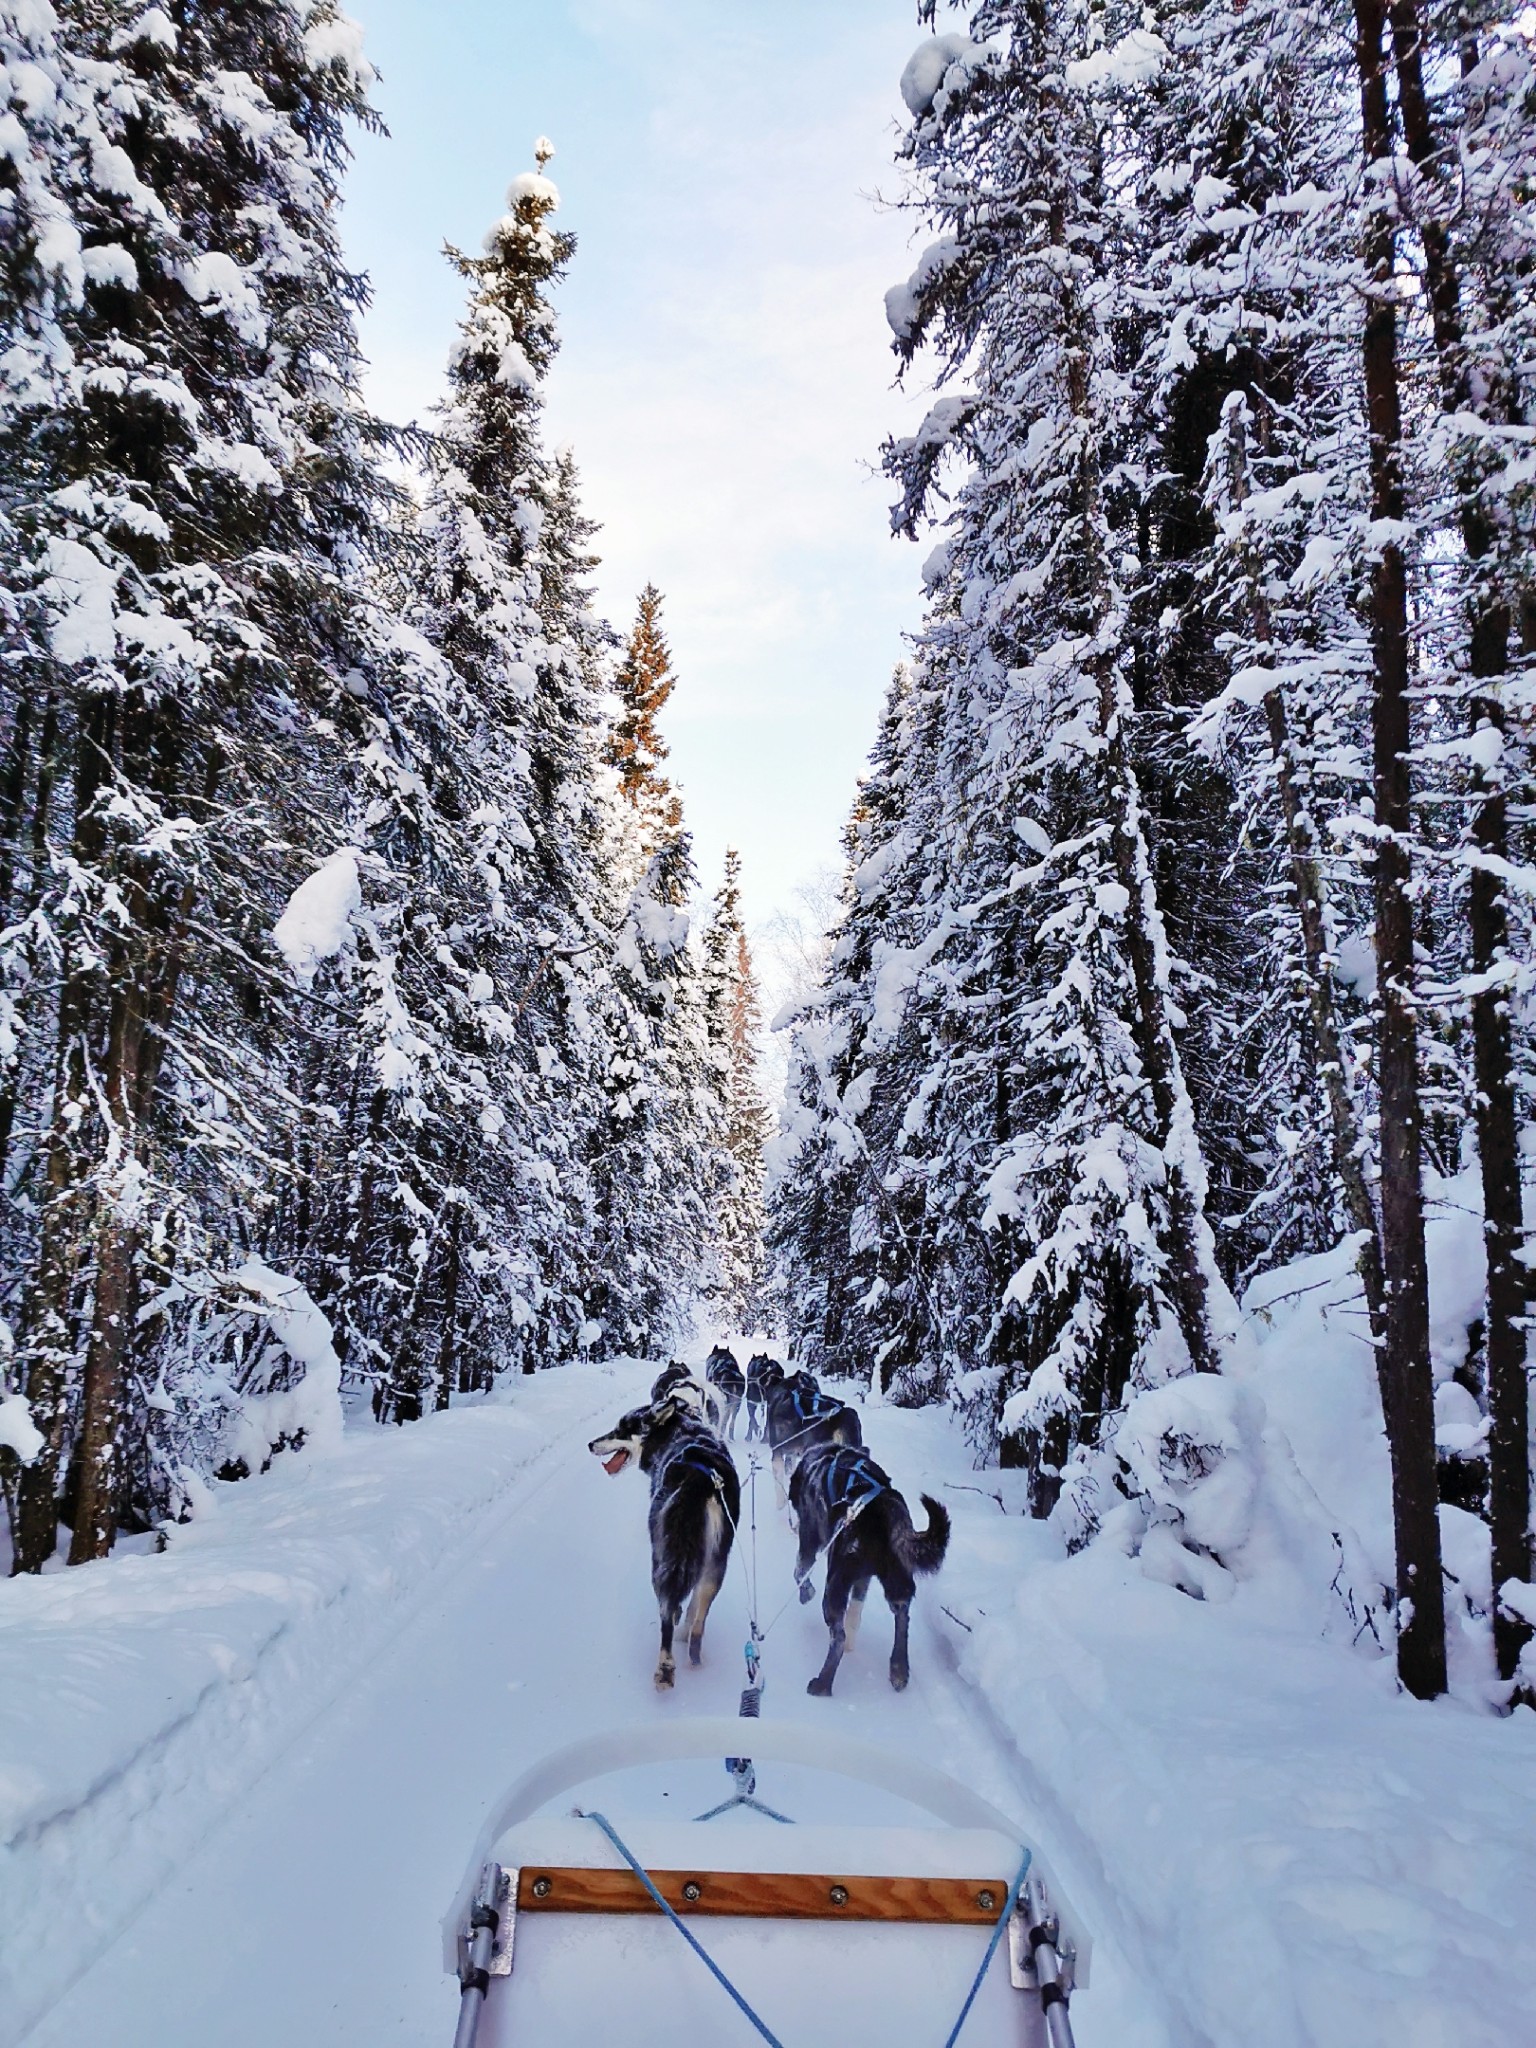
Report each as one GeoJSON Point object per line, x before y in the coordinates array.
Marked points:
{"type": "Point", "coordinates": [13, 792]}
{"type": "Point", "coordinates": [42, 805]}
{"type": "Point", "coordinates": [1403, 1365]}
{"type": "Point", "coordinates": [1348, 1138]}
{"type": "Point", "coordinates": [1497, 1113]}
{"type": "Point", "coordinates": [116, 1284]}
{"type": "Point", "coordinates": [146, 982]}
{"type": "Point", "coordinates": [447, 1360]}
{"type": "Point", "coordinates": [47, 1343]}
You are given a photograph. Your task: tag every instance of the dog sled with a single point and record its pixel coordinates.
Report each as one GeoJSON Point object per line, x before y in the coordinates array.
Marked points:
{"type": "Point", "coordinates": [572, 1927]}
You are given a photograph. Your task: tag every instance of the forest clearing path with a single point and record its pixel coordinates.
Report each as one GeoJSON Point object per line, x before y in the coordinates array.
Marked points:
{"type": "Point", "coordinates": [309, 1911]}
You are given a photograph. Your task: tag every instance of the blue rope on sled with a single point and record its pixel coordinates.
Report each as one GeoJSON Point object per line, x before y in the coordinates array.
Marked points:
{"type": "Point", "coordinates": [986, 1962]}
{"type": "Point", "coordinates": [727, 1986]}
{"type": "Point", "coordinates": [699, 1950]}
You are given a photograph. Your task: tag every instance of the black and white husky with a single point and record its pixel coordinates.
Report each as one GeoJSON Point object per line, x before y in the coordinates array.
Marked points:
{"type": "Point", "coordinates": [697, 1395]}
{"type": "Point", "coordinates": [729, 1382]}
{"type": "Point", "coordinates": [763, 1372]}
{"type": "Point", "coordinates": [695, 1506]}
{"type": "Point", "coordinates": [845, 1505]}
{"type": "Point", "coordinates": [797, 1417]}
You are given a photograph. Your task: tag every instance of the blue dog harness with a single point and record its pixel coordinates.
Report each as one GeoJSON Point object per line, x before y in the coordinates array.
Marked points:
{"type": "Point", "coordinates": [811, 1406]}
{"type": "Point", "coordinates": [698, 1461]}
{"type": "Point", "coordinates": [856, 1482]}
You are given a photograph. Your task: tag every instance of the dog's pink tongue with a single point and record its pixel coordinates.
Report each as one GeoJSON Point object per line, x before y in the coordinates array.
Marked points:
{"type": "Point", "coordinates": [617, 1462]}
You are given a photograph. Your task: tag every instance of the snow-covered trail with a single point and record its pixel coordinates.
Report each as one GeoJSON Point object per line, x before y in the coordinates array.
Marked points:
{"type": "Point", "coordinates": [309, 1911]}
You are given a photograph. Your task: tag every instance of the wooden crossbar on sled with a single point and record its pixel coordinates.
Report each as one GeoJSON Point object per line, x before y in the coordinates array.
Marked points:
{"type": "Point", "coordinates": [822, 1928]}
{"type": "Point", "coordinates": [766, 1895]}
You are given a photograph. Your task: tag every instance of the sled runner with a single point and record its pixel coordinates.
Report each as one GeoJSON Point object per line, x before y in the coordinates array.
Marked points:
{"type": "Point", "coordinates": [811, 1934]}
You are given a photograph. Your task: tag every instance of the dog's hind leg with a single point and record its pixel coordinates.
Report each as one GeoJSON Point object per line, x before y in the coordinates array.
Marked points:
{"type": "Point", "coordinates": [710, 1579]}
{"type": "Point", "coordinates": [780, 1479]}
{"type": "Point", "coordinates": [855, 1614]}
{"type": "Point", "coordinates": [666, 1667]}
{"type": "Point", "coordinates": [900, 1669]}
{"type": "Point", "coordinates": [805, 1561]}
{"type": "Point", "coordinates": [698, 1613]}
{"type": "Point", "coordinates": [834, 1607]}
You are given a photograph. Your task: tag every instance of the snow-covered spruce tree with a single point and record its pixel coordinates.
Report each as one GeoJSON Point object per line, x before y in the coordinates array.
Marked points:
{"type": "Point", "coordinates": [1231, 140]}
{"type": "Point", "coordinates": [1249, 416]}
{"type": "Point", "coordinates": [1466, 118]}
{"type": "Point", "coordinates": [655, 1156]}
{"type": "Point", "coordinates": [657, 1148]}
{"type": "Point", "coordinates": [860, 1224]}
{"type": "Point", "coordinates": [733, 1017]}
{"type": "Point", "coordinates": [1403, 1357]}
{"type": "Point", "coordinates": [1058, 1094]}
{"type": "Point", "coordinates": [197, 487]}
{"type": "Point", "coordinates": [463, 1218]}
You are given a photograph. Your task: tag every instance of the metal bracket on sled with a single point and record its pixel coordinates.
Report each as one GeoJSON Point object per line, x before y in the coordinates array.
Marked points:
{"type": "Point", "coordinates": [485, 1946]}
{"type": "Point", "coordinates": [1039, 1960]}
{"type": "Point", "coordinates": [498, 1891]}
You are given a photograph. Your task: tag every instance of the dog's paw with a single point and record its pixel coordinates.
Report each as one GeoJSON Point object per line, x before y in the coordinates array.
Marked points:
{"type": "Point", "coordinates": [898, 1679]}
{"type": "Point", "coordinates": [807, 1592]}
{"type": "Point", "coordinates": [664, 1677]}
{"type": "Point", "coordinates": [696, 1653]}
{"type": "Point", "coordinates": [820, 1688]}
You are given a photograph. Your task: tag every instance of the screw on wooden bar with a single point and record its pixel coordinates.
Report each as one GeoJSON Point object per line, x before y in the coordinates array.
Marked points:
{"type": "Point", "coordinates": [987, 1901]}
{"type": "Point", "coordinates": [838, 1895]}
{"type": "Point", "coordinates": [542, 1887]}
{"type": "Point", "coordinates": [693, 1892]}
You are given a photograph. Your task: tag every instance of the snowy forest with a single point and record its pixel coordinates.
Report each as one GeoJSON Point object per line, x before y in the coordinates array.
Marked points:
{"type": "Point", "coordinates": [434, 1152]}
{"type": "Point", "coordinates": [360, 1027]}
{"type": "Point", "coordinates": [356, 1031]}
{"type": "Point", "coordinates": [1186, 925]}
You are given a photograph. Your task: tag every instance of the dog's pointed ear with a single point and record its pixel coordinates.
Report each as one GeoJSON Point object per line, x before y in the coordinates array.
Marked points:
{"type": "Point", "coordinates": [667, 1408]}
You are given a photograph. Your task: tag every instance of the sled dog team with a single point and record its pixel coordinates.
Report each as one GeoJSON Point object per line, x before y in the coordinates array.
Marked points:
{"type": "Point", "coordinates": [840, 1500]}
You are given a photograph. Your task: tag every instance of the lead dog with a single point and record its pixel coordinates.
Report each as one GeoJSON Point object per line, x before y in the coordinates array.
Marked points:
{"type": "Point", "coordinates": [763, 1372]}
{"type": "Point", "coordinates": [726, 1377]}
{"type": "Point", "coordinates": [845, 1505]}
{"type": "Point", "coordinates": [695, 1506]}
{"type": "Point", "coordinates": [797, 1417]}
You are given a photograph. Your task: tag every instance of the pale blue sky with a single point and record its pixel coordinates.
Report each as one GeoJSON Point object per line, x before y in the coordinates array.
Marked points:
{"type": "Point", "coordinates": [725, 371]}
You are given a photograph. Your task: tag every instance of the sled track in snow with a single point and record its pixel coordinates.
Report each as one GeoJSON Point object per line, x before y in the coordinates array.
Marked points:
{"type": "Point", "coordinates": [340, 1827]}
{"type": "Point", "coordinates": [171, 1796]}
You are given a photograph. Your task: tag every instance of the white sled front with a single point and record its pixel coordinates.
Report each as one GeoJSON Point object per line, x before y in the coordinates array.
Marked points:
{"type": "Point", "coordinates": [822, 1934]}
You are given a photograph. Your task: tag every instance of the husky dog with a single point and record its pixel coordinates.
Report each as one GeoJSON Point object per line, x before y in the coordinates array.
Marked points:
{"type": "Point", "coordinates": [846, 1506]}
{"type": "Point", "coordinates": [695, 1506]}
{"type": "Point", "coordinates": [705, 1401]}
{"type": "Point", "coordinates": [723, 1373]}
{"type": "Point", "coordinates": [797, 1417]}
{"type": "Point", "coordinates": [763, 1372]}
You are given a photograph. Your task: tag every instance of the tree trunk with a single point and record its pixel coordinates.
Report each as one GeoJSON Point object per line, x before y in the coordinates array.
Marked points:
{"type": "Point", "coordinates": [145, 985]}
{"type": "Point", "coordinates": [447, 1359]}
{"type": "Point", "coordinates": [13, 791]}
{"type": "Point", "coordinates": [1403, 1365]}
{"type": "Point", "coordinates": [42, 805]}
{"type": "Point", "coordinates": [47, 1343]}
{"type": "Point", "coordinates": [1497, 1110]}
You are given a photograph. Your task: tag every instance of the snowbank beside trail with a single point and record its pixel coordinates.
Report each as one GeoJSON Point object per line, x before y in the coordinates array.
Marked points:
{"type": "Point", "coordinates": [1301, 1857]}
{"type": "Point", "coordinates": [1294, 1853]}
{"type": "Point", "coordinates": [140, 1696]}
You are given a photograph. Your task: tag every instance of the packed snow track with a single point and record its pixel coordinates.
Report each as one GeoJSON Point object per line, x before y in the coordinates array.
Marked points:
{"type": "Point", "coordinates": [239, 1781]}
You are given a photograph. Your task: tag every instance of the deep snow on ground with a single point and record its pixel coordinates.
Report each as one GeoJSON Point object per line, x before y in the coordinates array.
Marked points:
{"type": "Point", "coordinates": [240, 1779]}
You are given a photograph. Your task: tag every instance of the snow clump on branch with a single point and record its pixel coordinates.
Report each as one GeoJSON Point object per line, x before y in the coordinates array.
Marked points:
{"type": "Point", "coordinates": [317, 923]}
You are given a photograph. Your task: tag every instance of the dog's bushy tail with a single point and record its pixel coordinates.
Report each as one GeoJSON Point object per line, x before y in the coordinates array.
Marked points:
{"type": "Point", "coordinates": [924, 1552]}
